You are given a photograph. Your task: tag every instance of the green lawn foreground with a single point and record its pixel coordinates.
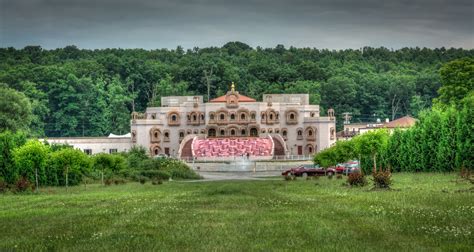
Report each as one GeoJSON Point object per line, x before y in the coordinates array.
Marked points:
{"type": "Point", "coordinates": [424, 213]}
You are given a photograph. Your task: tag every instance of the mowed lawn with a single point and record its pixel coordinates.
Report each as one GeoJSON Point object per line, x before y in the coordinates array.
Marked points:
{"type": "Point", "coordinates": [425, 212]}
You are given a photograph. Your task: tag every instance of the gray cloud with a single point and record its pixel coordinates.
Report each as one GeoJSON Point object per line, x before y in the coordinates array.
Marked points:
{"type": "Point", "coordinates": [150, 24]}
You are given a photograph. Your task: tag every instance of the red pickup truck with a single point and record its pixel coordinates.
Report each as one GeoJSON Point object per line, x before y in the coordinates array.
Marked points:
{"type": "Point", "coordinates": [309, 170]}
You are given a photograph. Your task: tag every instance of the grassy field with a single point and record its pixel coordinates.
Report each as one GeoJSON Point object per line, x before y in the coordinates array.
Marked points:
{"type": "Point", "coordinates": [424, 213]}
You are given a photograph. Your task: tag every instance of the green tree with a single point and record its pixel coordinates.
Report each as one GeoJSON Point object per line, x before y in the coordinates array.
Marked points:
{"type": "Point", "coordinates": [15, 110]}
{"type": "Point", "coordinates": [339, 93]}
{"type": "Point", "coordinates": [107, 163]}
{"type": "Point", "coordinates": [118, 114]}
{"type": "Point", "coordinates": [373, 144]}
{"type": "Point", "coordinates": [8, 142]}
{"type": "Point", "coordinates": [70, 166]}
{"type": "Point", "coordinates": [417, 104]}
{"type": "Point", "coordinates": [457, 78]}
{"type": "Point", "coordinates": [465, 135]}
{"type": "Point", "coordinates": [30, 160]}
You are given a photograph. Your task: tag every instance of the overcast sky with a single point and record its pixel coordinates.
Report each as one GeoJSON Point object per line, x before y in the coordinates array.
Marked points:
{"type": "Point", "coordinates": [150, 24]}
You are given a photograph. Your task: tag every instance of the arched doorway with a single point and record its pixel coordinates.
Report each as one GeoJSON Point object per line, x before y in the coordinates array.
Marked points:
{"type": "Point", "coordinates": [253, 132]}
{"type": "Point", "coordinates": [211, 133]}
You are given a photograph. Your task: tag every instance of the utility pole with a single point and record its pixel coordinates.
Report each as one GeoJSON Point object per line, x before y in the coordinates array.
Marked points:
{"type": "Point", "coordinates": [208, 76]}
{"type": "Point", "coordinates": [347, 117]}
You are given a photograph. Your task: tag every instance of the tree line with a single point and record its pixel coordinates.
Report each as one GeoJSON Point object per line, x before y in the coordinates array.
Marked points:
{"type": "Point", "coordinates": [76, 92]}
{"type": "Point", "coordinates": [442, 140]}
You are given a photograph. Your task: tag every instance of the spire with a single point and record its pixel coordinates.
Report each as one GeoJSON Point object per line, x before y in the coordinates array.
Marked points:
{"type": "Point", "coordinates": [232, 87]}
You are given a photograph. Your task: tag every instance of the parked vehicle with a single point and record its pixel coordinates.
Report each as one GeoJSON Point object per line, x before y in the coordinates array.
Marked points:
{"type": "Point", "coordinates": [309, 170]}
{"type": "Point", "coordinates": [347, 168]}
{"type": "Point", "coordinates": [161, 156]}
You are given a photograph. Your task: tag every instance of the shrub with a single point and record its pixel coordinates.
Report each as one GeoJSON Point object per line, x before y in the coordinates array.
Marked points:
{"type": "Point", "coordinates": [3, 185]}
{"type": "Point", "coordinates": [30, 158]}
{"type": "Point", "coordinates": [382, 179]}
{"type": "Point", "coordinates": [151, 164]}
{"type": "Point", "coordinates": [178, 169]}
{"type": "Point", "coordinates": [136, 156]}
{"type": "Point", "coordinates": [155, 174]}
{"type": "Point", "coordinates": [23, 185]}
{"type": "Point", "coordinates": [67, 161]}
{"type": "Point", "coordinates": [356, 179]}
{"type": "Point", "coordinates": [157, 182]}
{"type": "Point", "coordinates": [108, 182]}
{"type": "Point", "coordinates": [119, 181]}
{"type": "Point", "coordinates": [108, 163]}
{"type": "Point", "coordinates": [142, 180]}
{"type": "Point", "coordinates": [8, 142]}
{"type": "Point", "coordinates": [465, 173]}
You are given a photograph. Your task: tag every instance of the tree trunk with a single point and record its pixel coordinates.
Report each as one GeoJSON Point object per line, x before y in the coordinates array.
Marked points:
{"type": "Point", "coordinates": [375, 163]}
{"type": "Point", "coordinates": [67, 181]}
{"type": "Point", "coordinates": [36, 179]}
{"type": "Point", "coordinates": [102, 177]}
{"type": "Point", "coordinates": [395, 107]}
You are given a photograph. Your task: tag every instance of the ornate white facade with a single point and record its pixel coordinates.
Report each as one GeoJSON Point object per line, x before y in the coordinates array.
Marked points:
{"type": "Point", "coordinates": [294, 125]}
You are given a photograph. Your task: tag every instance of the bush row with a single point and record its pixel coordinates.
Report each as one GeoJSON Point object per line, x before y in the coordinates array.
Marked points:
{"type": "Point", "coordinates": [23, 164]}
{"type": "Point", "coordinates": [442, 140]}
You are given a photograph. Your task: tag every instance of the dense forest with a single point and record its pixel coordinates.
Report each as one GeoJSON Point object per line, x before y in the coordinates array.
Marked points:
{"type": "Point", "coordinates": [77, 92]}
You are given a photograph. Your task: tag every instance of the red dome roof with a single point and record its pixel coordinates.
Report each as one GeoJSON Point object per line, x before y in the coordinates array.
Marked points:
{"type": "Point", "coordinates": [242, 98]}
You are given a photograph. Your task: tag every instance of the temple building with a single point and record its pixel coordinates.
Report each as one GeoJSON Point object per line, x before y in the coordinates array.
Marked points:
{"type": "Point", "coordinates": [234, 125]}
{"type": "Point", "coordinates": [226, 127]}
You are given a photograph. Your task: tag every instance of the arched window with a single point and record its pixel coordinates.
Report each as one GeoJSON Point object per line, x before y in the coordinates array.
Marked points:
{"type": "Point", "coordinates": [253, 132]}
{"type": "Point", "coordinates": [181, 134]}
{"type": "Point", "coordinates": [174, 118]}
{"type": "Point", "coordinates": [243, 133]}
{"type": "Point", "coordinates": [232, 132]}
{"type": "Point", "coordinates": [242, 117]}
{"type": "Point", "coordinates": [232, 117]}
{"type": "Point", "coordinates": [156, 151]}
{"type": "Point", "coordinates": [284, 133]}
{"type": "Point", "coordinates": [310, 149]}
{"type": "Point", "coordinates": [155, 135]}
{"type": "Point", "coordinates": [263, 116]}
{"type": "Point", "coordinates": [212, 132]}
{"type": "Point", "coordinates": [222, 132]}
{"type": "Point", "coordinates": [222, 116]}
{"type": "Point", "coordinates": [271, 116]}
{"type": "Point", "coordinates": [292, 116]}
{"type": "Point", "coordinates": [252, 116]}
{"type": "Point", "coordinates": [211, 116]}
{"type": "Point", "coordinates": [202, 117]}
{"type": "Point", "coordinates": [194, 118]}
{"type": "Point", "coordinates": [310, 132]}
{"type": "Point", "coordinates": [300, 132]}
